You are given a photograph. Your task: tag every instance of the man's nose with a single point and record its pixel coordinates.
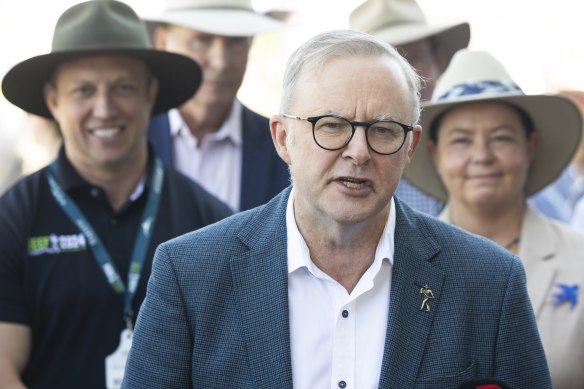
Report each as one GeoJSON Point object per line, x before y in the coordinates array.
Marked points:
{"type": "Point", "coordinates": [104, 105]}
{"type": "Point", "coordinates": [358, 150]}
{"type": "Point", "coordinates": [218, 53]}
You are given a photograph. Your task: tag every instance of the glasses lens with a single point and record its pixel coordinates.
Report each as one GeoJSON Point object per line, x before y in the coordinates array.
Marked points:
{"type": "Point", "coordinates": [331, 132]}
{"type": "Point", "coordinates": [385, 137]}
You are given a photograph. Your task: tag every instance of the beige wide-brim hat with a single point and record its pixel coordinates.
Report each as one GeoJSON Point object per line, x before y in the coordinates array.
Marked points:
{"type": "Point", "coordinates": [475, 76]}
{"type": "Point", "coordinates": [94, 28]}
{"type": "Point", "coordinates": [398, 22]}
{"type": "Point", "coordinates": [217, 17]}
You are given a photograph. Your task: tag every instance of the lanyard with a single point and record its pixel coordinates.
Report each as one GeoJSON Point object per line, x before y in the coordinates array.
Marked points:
{"type": "Point", "coordinates": [100, 253]}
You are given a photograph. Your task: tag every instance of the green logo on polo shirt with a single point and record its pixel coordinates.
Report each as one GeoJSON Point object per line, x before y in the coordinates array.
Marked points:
{"type": "Point", "coordinates": [56, 244]}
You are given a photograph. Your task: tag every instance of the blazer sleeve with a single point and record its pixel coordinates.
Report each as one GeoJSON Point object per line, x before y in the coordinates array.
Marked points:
{"type": "Point", "coordinates": [519, 355]}
{"type": "Point", "coordinates": [161, 349]}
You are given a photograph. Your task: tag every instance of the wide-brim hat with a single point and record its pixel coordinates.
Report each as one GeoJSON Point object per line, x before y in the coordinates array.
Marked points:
{"type": "Point", "coordinates": [217, 17]}
{"type": "Point", "coordinates": [101, 27]}
{"type": "Point", "coordinates": [398, 22]}
{"type": "Point", "coordinates": [475, 76]}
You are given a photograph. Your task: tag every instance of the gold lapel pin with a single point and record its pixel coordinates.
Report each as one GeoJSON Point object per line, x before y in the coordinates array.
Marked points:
{"type": "Point", "coordinates": [428, 295]}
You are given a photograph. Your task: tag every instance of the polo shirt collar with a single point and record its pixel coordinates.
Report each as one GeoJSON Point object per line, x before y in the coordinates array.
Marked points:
{"type": "Point", "coordinates": [70, 180]}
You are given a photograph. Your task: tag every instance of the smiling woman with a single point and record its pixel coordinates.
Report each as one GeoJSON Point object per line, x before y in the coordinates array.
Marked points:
{"type": "Point", "coordinates": [489, 147]}
{"type": "Point", "coordinates": [482, 152]}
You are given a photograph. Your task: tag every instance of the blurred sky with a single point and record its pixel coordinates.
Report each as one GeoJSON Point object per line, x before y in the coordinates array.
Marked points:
{"type": "Point", "coordinates": [539, 41]}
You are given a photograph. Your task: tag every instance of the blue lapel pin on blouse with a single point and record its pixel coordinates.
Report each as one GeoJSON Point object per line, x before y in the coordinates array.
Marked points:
{"type": "Point", "coordinates": [568, 293]}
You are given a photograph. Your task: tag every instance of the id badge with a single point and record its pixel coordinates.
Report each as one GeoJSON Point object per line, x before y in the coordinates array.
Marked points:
{"type": "Point", "coordinates": [115, 363]}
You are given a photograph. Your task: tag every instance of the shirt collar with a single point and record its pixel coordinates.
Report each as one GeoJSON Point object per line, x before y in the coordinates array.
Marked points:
{"type": "Point", "coordinates": [70, 180]}
{"type": "Point", "coordinates": [230, 129]}
{"type": "Point", "coordinates": [299, 254]}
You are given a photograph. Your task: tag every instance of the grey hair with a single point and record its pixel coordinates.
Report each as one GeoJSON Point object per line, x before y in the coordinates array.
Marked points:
{"type": "Point", "coordinates": [320, 49]}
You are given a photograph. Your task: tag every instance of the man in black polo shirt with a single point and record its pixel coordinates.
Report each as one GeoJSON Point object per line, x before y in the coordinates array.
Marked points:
{"type": "Point", "coordinates": [77, 237]}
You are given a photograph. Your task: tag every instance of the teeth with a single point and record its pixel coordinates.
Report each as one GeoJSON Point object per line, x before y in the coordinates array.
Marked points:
{"type": "Point", "coordinates": [353, 184]}
{"type": "Point", "coordinates": [105, 132]}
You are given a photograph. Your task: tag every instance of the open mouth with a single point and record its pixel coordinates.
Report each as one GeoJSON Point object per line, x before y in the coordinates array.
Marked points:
{"type": "Point", "coordinates": [106, 132]}
{"type": "Point", "coordinates": [352, 183]}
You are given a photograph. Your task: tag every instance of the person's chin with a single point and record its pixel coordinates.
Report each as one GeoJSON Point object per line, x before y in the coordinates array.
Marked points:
{"type": "Point", "coordinates": [486, 197]}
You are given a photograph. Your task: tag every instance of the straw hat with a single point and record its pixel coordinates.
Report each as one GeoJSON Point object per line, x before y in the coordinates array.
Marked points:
{"type": "Point", "coordinates": [101, 27]}
{"type": "Point", "coordinates": [401, 21]}
{"type": "Point", "coordinates": [475, 76]}
{"type": "Point", "coordinates": [218, 17]}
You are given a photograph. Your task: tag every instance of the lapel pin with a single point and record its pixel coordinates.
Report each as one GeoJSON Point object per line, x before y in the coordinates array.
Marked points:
{"type": "Point", "coordinates": [568, 293]}
{"type": "Point", "coordinates": [428, 295]}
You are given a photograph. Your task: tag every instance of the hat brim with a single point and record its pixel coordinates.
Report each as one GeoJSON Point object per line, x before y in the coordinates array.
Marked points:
{"type": "Point", "coordinates": [226, 22]}
{"type": "Point", "coordinates": [178, 77]}
{"type": "Point", "coordinates": [450, 38]}
{"type": "Point", "coordinates": [556, 119]}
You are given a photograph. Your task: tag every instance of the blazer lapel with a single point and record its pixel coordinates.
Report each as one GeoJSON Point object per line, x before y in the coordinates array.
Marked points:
{"type": "Point", "coordinates": [537, 249]}
{"type": "Point", "coordinates": [256, 160]}
{"type": "Point", "coordinates": [160, 138]}
{"type": "Point", "coordinates": [408, 325]}
{"type": "Point", "coordinates": [260, 278]}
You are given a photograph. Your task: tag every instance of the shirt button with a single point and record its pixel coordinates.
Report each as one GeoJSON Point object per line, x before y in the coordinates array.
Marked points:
{"type": "Point", "coordinates": [342, 384]}
{"type": "Point", "coordinates": [94, 192]}
{"type": "Point", "coordinates": [114, 222]}
{"type": "Point", "coordinates": [345, 315]}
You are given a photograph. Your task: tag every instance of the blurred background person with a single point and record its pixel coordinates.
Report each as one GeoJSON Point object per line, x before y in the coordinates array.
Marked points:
{"type": "Point", "coordinates": [578, 214]}
{"type": "Point", "coordinates": [77, 237]}
{"type": "Point", "coordinates": [10, 160]}
{"type": "Point", "coordinates": [428, 48]}
{"type": "Point", "coordinates": [560, 200]}
{"type": "Point", "coordinates": [213, 138]}
{"type": "Point", "coordinates": [489, 147]}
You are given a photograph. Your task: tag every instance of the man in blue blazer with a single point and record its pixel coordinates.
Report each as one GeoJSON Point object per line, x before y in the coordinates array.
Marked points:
{"type": "Point", "coordinates": [334, 283]}
{"type": "Point", "coordinates": [262, 172]}
{"type": "Point", "coordinates": [213, 138]}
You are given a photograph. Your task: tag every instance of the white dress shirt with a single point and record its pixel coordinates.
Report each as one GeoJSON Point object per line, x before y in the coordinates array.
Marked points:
{"type": "Point", "coordinates": [214, 162]}
{"type": "Point", "coordinates": [337, 339]}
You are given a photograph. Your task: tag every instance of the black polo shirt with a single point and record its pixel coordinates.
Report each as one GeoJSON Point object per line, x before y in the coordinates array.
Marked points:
{"type": "Point", "coordinates": [50, 281]}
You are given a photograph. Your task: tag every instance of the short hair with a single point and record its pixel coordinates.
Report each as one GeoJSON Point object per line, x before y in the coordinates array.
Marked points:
{"type": "Point", "coordinates": [316, 52]}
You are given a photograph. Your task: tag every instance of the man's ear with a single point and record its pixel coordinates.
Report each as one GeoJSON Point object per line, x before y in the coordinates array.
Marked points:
{"type": "Point", "coordinates": [152, 91]}
{"type": "Point", "coordinates": [416, 136]}
{"type": "Point", "coordinates": [50, 95]}
{"type": "Point", "coordinates": [280, 136]}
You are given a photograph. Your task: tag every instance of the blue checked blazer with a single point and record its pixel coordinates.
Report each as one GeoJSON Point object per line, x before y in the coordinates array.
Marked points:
{"type": "Point", "coordinates": [263, 173]}
{"type": "Point", "coordinates": [216, 311]}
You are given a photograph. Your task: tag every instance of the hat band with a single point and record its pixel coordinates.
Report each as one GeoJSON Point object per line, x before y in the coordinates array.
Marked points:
{"type": "Point", "coordinates": [480, 88]}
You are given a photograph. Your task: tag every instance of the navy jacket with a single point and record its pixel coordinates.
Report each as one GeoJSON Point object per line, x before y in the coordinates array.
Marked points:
{"type": "Point", "coordinates": [263, 173]}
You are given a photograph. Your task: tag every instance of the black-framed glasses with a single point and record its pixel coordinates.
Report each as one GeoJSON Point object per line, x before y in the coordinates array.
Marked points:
{"type": "Point", "coordinates": [332, 133]}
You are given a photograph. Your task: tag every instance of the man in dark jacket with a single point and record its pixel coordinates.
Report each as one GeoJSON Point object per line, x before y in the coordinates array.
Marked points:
{"type": "Point", "coordinates": [213, 138]}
